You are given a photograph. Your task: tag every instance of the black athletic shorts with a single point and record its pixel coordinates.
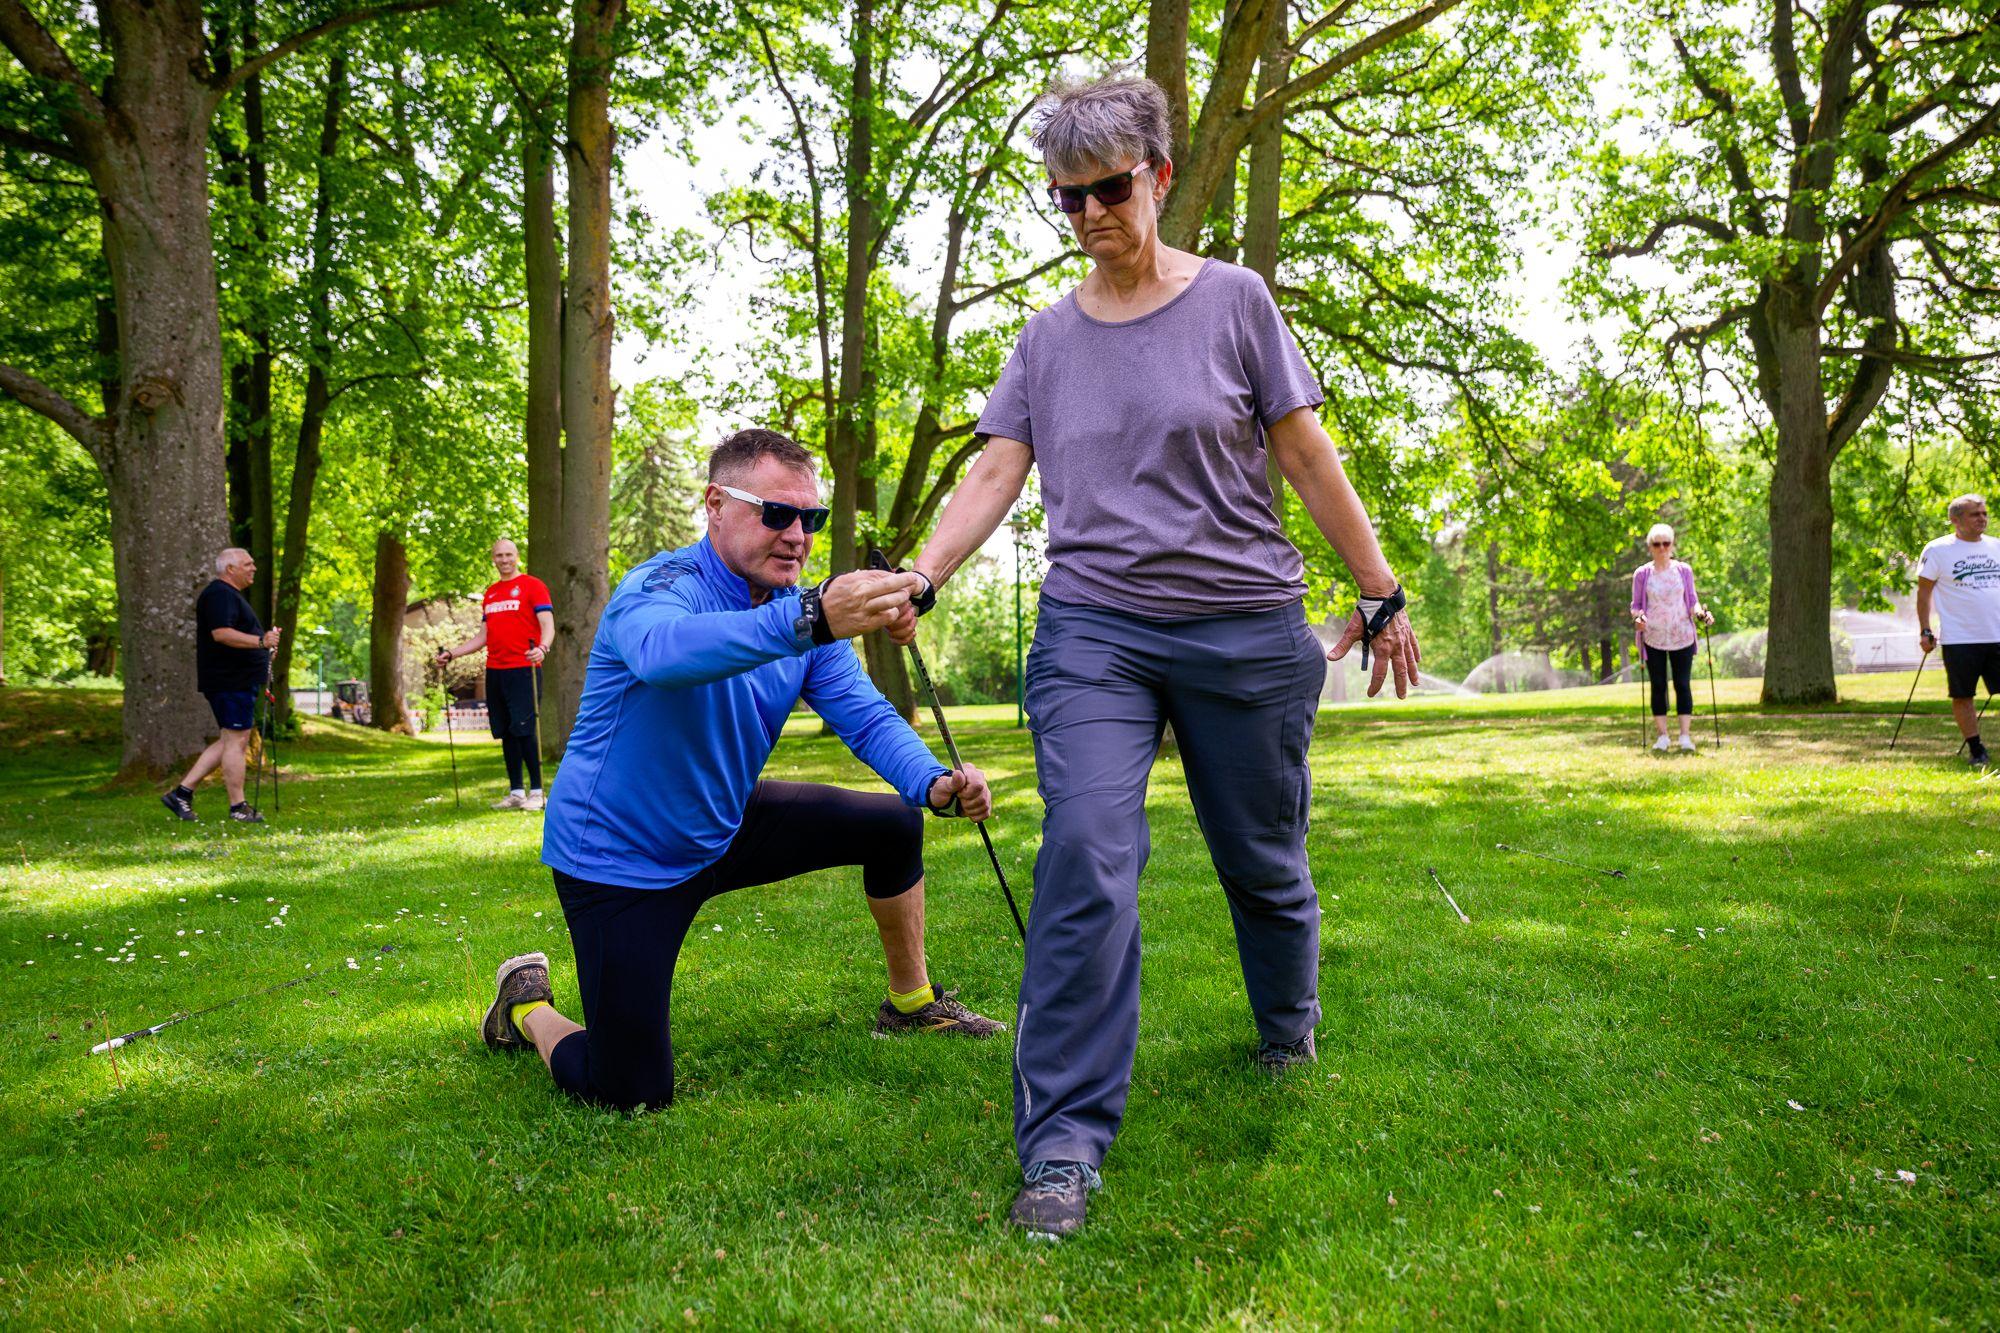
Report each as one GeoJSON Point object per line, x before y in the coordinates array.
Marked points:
{"type": "Point", "coordinates": [626, 940]}
{"type": "Point", "coordinates": [1965, 664]}
{"type": "Point", "coordinates": [510, 701]}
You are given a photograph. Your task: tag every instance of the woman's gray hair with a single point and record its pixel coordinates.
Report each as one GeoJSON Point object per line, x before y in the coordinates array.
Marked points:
{"type": "Point", "coordinates": [1083, 124]}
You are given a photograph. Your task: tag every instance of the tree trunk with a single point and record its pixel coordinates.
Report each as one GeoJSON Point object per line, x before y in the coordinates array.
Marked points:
{"type": "Point", "coordinates": [251, 514]}
{"type": "Point", "coordinates": [1494, 645]}
{"type": "Point", "coordinates": [312, 415]}
{"type": "Point", "coordinates": [1798, 660]}
{"type": "Point", "coordinates": [843, 447]}
{"type": "Point", "coordinates": [583, 567]}
{"type": "Point", "coordinates": [1262, 205]}
{"type": "Point", "coordinates": [1167, 63]}
{"type": "Point", "coordinates": [390, 604]}
{"type": "Point", "coordinates": [889, 668]}
{"type": "Point", "coordinates": [543, 266]}
{"type": "Point", "coordinates": [162, 461]}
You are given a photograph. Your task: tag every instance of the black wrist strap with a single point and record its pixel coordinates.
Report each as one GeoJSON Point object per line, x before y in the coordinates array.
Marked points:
{"type": "Point", "coordinates": [1372, 625]}
{"type": "Point", "coordinates": [923, 601]}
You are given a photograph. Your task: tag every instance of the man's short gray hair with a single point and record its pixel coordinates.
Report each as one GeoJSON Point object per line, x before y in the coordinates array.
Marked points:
{"type": "Point", "coordinates": [228, 556]}
{"type": "Point", "coordinates": [1083, 124]}
{"type": "Point", "coordinates": [1963, 503]}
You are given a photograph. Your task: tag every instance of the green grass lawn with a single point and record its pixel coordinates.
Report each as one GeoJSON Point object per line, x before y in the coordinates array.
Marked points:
{"type": "Point", "coordinates": [1681, 1098]}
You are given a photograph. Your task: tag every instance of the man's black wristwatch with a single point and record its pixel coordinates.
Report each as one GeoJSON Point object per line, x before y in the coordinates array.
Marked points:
{"type": "Point", "coordinates": [810, 622]}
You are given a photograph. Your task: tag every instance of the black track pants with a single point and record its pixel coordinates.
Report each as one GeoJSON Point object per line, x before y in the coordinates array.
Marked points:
{"type": "Point", "coordinates": [627, 940]}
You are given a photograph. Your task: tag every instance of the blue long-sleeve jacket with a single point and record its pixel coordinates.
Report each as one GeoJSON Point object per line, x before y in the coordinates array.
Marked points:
{"type": "Point", "coordinates": [687, 689]}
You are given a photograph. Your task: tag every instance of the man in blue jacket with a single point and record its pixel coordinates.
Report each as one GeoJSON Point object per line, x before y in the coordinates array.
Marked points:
{"type": "Point", "coordinates": [699, 658]}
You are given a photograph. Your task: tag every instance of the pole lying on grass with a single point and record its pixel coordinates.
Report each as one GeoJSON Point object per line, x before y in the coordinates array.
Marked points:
{"type": "Point", "coordinates": [1714, 713]}
{"type": "Point", "coordinates": [876, 560]}
{"type": "Point", "coordinates": [1906, 698]}
{"type": "Point", "coordinates": [1463, 918]}
{"type": "Point", "coordinates": [116, 1043]}
{"type": "Point", "coordinates": [1542, 856]}
{"type": "Point", "coordinates": [1975, 725]}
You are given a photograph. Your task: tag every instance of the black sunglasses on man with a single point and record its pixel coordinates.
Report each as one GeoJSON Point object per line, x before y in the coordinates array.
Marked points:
{"type": "Point", "coordinates": [777, 516]}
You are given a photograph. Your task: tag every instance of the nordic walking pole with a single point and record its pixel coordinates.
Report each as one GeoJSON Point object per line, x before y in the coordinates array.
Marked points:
{"type": "Point", "coordinates": [271, 721]}
{"type": "Point", "coordinates": [876, 560]}
{"type": "Point", "coordinates": [257, 730]}
{"type": "Point", "coordinates": [1708, 646]}
{"type": "Point", "coordinates": [538, 717]}
{"type": "Point", "coordinates": [450, 741]}
{"type": "Point", "coordinates": [1975, 725]}
{"type": "Point", "coordinates": [1911, 695]}
{"type": "Point", "coordinates": [1462, 917]}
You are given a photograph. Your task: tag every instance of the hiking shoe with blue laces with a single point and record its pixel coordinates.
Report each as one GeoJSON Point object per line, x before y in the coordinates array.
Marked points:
{"type": "Point", "coordinates": [1054, 1198]}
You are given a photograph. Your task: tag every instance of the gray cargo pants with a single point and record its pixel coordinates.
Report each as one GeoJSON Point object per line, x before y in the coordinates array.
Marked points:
{"type": "Point", "coordinates": [1241, 692]}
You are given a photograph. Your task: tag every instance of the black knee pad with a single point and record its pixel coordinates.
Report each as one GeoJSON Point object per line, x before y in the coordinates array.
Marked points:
{"type": "Point", "coordinates": [895, 853]}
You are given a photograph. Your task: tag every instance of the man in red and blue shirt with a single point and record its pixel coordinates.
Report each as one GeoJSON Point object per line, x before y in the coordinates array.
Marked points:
{"type": "Point", "coordinates": [517, 625]}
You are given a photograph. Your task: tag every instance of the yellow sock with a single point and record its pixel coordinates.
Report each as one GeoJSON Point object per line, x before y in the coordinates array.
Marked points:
{"type": "Point", "coordinates": [521, 1011]}
{"type": "Point", "coordinates": [911, 1001]}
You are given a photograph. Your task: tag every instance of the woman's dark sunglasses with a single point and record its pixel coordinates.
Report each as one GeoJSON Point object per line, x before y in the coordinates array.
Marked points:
{"type": "Point", "coordinates": [778, 517]}
{"type": "Point", "coordinates": [1111, 191]}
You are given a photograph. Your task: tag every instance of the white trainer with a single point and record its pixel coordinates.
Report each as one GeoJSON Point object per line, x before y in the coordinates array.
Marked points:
{"type": "Point", "coordinates": [535, 800]}
{"type": "Point", "coordinates": [1662, 745]}
{"type": "Point", "coordinates": [513, 800]}
{"type": "Point", "coordinates": [1687, 743]}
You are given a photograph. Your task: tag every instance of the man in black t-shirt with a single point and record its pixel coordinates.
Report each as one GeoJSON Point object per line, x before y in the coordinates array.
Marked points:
{"type": "Point", "coordinates": [232, 661]}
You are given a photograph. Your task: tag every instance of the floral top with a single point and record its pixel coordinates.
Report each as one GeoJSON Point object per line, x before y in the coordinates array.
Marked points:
{"type": "Point", "coordinates": [1669, 609]}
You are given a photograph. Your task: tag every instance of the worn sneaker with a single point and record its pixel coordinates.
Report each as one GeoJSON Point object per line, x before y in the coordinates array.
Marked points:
{"type": "Point", "coordinates": [180, 806]}
{"type": "Point", "coordinates": [1054, 1198]}
{"type": "Point", "coordinates": [1687, 743]}
{"type": "Point", "coordinates": [1278, 1059]}
{"type": "Point", "coordinates": [513, 800]}
{"type": "Point", "coordinates": [245, 813]}
{"type": "Point", "coordinates": [1662, 744]}
{"type": "Point", "coordinates": [519, 980]}
{"type": "Point", "coordinates": [1975, 752]}
{"type": "Point", "coordinates": [535, 801]}
{"type": "Point", "coordinates": [943, 1014]}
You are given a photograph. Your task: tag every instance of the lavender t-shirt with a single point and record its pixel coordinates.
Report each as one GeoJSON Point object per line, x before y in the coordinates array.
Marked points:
{"type": "Point", "coordinates": [1149, 434]}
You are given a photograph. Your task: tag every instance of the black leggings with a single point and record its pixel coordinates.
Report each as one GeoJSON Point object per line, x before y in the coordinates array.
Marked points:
{"type": "Point", "coordinates": [626, 940]}
{"type": "Point", "coordinates": [1682, 662]}
{"type": "Point", "coordinates": [519, 752]}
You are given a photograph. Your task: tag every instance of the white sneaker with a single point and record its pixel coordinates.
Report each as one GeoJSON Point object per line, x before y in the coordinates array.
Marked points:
{"type": "Point", "coordinates": [1662, 745]}
{"type": "Point", "coordinates": [535, 800]}
{"type": "Point", "coordinates": [1687, 743]}
{"type": "Point", "coordinates": [514, 800]}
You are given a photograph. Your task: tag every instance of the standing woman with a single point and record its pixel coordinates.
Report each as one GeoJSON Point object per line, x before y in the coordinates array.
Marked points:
{"type": "Point", "coordinates": [1150, 397]}
{"type": "Point", "coordinates": [1665, 609]}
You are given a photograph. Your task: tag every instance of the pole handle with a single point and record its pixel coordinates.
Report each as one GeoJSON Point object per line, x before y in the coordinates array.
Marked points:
{"type": "Point", "coordinates": [115, 1043]}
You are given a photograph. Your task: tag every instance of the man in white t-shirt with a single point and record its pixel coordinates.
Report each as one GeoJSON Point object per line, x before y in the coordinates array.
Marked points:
{"type": "Point", "coordinates": [1961, 574]}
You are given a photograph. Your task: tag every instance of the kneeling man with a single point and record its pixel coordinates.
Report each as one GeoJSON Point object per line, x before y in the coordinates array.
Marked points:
{"type": "Point", "coordinates": [699, 658]}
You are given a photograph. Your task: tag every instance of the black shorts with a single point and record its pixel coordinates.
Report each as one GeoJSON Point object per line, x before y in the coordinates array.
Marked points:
{"type": "Point", "coordinates": [235, 710]}
{"type": "Point", "coordinates": [1965, 664]}
{"type": "Point", "coordinates": [626, 940]}
{"type": "Point", "coordinates": [510, 701]}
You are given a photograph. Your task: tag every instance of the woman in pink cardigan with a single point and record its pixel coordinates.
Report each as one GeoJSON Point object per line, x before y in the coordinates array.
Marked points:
{"type": "Point", "coordinates": [1665, 609]}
